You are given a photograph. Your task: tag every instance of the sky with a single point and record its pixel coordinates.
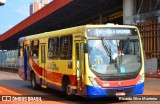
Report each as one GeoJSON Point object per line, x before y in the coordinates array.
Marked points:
{"type": "Point", "coordinates": [13, 12]}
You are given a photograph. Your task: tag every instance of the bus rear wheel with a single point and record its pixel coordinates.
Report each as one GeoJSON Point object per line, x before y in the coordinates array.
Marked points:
{"type": "Point", "coordinates": [33, 81]}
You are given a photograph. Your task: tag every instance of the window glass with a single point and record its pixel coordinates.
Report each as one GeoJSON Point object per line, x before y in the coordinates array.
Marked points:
{"type": "Point", "coordinates": [53, 48]}
{"type": "Point", "coordinates": [77, 55]}
{"type": "Point", "coordinates": [66, 47]}
{"type": "Point", "coordinates": [34, 48]}
{"type": "Point", "coordinates": [113, 57]}
{"type": "Point", "coordinates": [20, 49]}
{"type": "Point", "coordinates": [43, 52]}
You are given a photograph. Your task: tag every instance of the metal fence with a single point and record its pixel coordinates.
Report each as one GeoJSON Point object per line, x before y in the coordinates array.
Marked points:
{"type": "Point", "coordinates": [9, 59]}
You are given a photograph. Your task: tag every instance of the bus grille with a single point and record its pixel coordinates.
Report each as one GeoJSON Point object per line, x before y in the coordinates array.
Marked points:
{"type": "Point", "coordinates": [117, 78]}
{"type": "Point", "coordinates": [112, 92]}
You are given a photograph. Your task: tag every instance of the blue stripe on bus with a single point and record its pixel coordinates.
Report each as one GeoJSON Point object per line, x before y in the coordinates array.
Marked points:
{"type": "Point", "coordinates": [139, 89]}
{"type": "Point", "coordinates": [40, 80]}
{"type": "Point", "coordinates": [25, 64]}
{"type": "Point", "coordinates": [94, 92]}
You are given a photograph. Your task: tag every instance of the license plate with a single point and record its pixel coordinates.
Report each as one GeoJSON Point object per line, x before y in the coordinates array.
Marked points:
{"type": "Point", "coordinates": [120, 94]}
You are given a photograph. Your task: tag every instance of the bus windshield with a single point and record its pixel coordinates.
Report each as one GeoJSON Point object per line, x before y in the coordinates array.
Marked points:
{"type": "Point", "coordinates": [115, 55]}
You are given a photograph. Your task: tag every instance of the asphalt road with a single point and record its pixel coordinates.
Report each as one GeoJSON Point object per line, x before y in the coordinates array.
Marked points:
{"type": "Point", "coordinates": [11, 84]}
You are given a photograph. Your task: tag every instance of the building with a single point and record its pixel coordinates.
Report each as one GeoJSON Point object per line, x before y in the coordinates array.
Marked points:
{"type": "Point", "coordinates": [147, 18]}
{"type": "Point", "coordinates": [35, 6]}
{"type": "Point", "coordinates": [145, 14]}
{"type": "Point", "coordinates": [44, 2]}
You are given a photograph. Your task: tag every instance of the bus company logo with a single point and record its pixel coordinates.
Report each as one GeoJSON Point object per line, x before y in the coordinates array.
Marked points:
{"type": "Point", "coordinates": [120, 83]}
{"type": "Point", "coordinates": [6, 98]}
{"type": "Point", "coordinates": [52, 66]}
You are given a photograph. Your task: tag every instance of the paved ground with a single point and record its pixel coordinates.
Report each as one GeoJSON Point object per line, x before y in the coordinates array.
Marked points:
{"type": "Point", "coordinates": [11, 84]}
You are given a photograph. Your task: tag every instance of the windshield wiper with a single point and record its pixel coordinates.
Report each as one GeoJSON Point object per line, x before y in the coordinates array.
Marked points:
{"type": "Point", "coordinates": [106, 47]}
{"type": "Point", "coordinates": [126, 44]}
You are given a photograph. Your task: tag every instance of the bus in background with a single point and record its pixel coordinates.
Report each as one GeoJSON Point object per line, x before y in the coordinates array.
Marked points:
{"type": "Point", "coordinates": [90, 60]}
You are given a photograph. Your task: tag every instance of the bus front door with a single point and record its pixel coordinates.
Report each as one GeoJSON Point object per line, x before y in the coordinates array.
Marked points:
{"type": "Point", "coordinates": [80, 67]}
{"type": "Point", "coordinates": [42, 64]}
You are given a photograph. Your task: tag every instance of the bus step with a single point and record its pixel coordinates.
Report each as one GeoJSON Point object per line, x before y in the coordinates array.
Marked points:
{"type": "Point", "coordinates": [43, 86]}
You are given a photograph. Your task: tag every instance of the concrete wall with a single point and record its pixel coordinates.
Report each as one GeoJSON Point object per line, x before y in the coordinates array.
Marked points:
{"type": "Point", "coordinates": [151, 64]}
{"type": "Point", "coordinates": [159, 33]}
{"type": "Point", "coordinates": [128, 12]}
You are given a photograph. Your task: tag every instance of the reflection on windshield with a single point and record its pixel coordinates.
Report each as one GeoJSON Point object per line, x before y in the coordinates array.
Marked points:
{"type": "Point", "coordinates": [114, 56]}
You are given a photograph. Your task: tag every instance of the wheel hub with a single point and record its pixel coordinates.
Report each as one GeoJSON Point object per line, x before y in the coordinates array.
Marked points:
{"type": "Point", "coordinates": [69, 90]}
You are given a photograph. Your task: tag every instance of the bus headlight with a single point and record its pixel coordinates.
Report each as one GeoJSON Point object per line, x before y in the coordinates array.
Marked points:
{"type": "Point", "coordinates": [94, 82]}
{"type": "Point", "coordinates": [141, 80]}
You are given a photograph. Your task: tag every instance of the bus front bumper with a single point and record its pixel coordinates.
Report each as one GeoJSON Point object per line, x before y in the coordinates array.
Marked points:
{"type": "Point", "coordinates": [94, 92]}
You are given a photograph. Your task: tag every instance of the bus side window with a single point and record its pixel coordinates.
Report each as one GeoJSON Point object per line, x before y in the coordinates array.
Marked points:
{"type": "Point", "coordinates": [77, 55]}
{"type": "Point", "coordinates": [27, 50]}
{"type": "Point", "coordinates": [66, 47]}
{"type": "Point", "coordinates": [34, 48]}
{"type": "Point", "coordinates": [21, 47]}
{"type": "Point", "coordinates": [53, 48]}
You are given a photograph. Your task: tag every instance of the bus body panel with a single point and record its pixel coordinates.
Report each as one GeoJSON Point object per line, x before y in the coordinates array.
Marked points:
{"type": "Point", "coordinates": [94, 92]}
{"type": "Point", "coordinates": [51, 71]}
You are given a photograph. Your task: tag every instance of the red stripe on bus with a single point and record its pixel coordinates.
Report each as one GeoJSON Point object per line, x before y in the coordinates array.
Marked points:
{"type": "Point", "coordinates": [73, 80]}
{"type": "Point", "coordinates": [36, 68]}
{"type": "Point", "coordinates": [51, 76]}
{"type": "Point", "coordinates": [57, 77]}
{"type": "Point", "coordinates": [120, 83]}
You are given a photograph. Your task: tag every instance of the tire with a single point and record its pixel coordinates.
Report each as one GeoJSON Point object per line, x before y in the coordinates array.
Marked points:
{"type": "Point", "coordinates": [33, 81]}
{"type": "Point", "coordinates": [69, 90]}
{"type": "Point", "coordinates": [66, 86]}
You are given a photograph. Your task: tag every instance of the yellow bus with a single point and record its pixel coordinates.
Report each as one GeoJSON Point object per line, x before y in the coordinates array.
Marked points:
{"type": "Point", "coordinates": [90, 60]}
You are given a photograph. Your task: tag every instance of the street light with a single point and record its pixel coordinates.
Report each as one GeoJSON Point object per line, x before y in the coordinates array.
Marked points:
{"type": "Point", "coordinates": [2, 2]}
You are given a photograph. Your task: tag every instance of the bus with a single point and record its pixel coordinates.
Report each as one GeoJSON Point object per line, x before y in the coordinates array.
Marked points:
{"type": "Point", "coordinates": [90, 60]}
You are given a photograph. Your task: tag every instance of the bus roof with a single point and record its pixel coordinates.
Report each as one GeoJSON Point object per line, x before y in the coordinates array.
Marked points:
{"type": "Point", "coordinates": [67, 31]}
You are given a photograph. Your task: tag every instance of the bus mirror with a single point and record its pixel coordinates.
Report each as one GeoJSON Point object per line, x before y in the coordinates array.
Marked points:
{"type": "Point", "coordinates": [85, 47]}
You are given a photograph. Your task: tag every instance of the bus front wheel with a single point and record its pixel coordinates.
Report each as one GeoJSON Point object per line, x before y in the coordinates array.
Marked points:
{"type": "Point", "coordinates": [67, 87]}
